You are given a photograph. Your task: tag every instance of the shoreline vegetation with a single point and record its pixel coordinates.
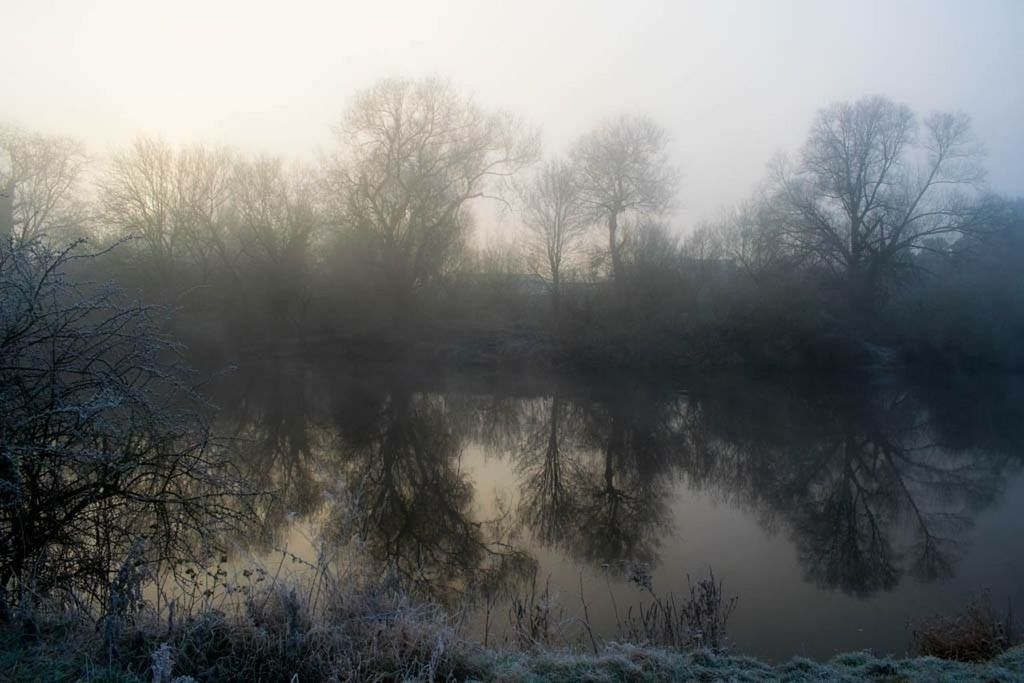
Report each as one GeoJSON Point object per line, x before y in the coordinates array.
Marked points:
{"type": "Point", "coordinates": [265, 627]}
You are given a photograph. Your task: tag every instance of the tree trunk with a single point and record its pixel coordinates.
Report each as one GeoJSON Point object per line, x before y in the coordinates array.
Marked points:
{"type": "Point", "coordinates": [553, 454]}
{"type": "Point", "coordinates": [7, 210]}
{"type": "Point", "coordinates": [613, 247]}
{"type": "Point", "coordinates": [556, 295]}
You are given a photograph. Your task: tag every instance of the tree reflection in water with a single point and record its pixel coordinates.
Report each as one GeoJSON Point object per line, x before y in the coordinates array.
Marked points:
{"type": "Point", "coordinates": [867, 482]}
{"type": "Point", "coordinates": [274, 426]}
{"type": "Point", "coordinates": [597, 475]}
{"type": "Point", "coordinates": [377, 467]}
{"type": "Point", "coordinates": [410, 503]}
{"type": "Point", "coordinates": [861, 481]}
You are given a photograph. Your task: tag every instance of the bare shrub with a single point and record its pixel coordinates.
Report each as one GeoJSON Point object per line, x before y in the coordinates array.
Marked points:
{"type": "Point", "coordinates": [106, 457]}
{"type": "Point", "coordinates": [977, 633]}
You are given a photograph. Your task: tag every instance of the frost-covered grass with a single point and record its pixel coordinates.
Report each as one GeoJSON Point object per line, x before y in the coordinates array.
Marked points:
{"type": "Point", "coordinates": [377, 635]}
{"type": "Point", "coordinates": [52, 661]}
{"type": "Point", "coordinates": [625, 662]}
{"type": "Point", "coordinates": [356, 627]}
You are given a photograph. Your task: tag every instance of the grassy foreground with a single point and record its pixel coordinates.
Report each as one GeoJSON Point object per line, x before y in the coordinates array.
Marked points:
{"type": "Point", "coordinates": [276, 636]}
{"type": "Point", "coordinates": [50, 661]}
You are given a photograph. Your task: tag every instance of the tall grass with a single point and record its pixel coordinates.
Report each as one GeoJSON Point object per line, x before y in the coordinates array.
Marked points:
{"type": "Point", "coordinates": [696, 621]}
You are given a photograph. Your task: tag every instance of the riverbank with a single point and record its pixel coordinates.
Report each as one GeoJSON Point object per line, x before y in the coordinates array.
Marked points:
{"type": "Point", "coordinates": [51, 660]}
{"type": "Point", "coordinates": [284, 634]}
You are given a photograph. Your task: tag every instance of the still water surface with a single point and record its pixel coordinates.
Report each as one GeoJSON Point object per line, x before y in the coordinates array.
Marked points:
{"type": "Point", "coordinates": [837, 511]}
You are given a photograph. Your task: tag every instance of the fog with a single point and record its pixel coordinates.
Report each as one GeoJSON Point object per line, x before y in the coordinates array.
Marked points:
{"type": "Point", "coordinates": [515, 332]}
{"type": "Point", "coordinates": [732, 82]}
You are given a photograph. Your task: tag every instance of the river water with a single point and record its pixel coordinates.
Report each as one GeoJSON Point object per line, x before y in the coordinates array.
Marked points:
{"type": "Point", "coordinates": [837, 511]}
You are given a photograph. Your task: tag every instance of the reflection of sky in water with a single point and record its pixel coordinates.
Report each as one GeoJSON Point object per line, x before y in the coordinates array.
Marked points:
{"type": "Point", "coordinates": [752, 495]}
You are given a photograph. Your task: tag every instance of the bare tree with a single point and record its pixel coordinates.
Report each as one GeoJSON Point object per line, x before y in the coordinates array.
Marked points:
{"type": "Point", "coordinates": [175, 202]}
{"type": "Point", "coordinates": [414, 155]}
{"type": "Point", "coordinates": [624, 169]}
{"type": "Point", "coordinates": [749, 235]}
{"type": "Point", "coordinates": [274, 219]}
{"type": "Point", "coordinates": [39, 181]}
{"type": "Point", "coordinates": [869, 189]}
{"type": "Point", "coordinates": [271, 231]}
{"type": "Point", "coordinates": [553, 213]}
{"type": "Point", "coordinates": [704, 243]}
{"type": "Point", "coordinates": [205, 188]}
{"type": "Point", "coordinates": [654, 249]}
{"type": "Point", "coordinates": [104, 446]}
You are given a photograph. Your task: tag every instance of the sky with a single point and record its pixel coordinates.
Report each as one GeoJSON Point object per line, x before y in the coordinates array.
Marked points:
{"type": "Point", "coordinates": [734, 83]}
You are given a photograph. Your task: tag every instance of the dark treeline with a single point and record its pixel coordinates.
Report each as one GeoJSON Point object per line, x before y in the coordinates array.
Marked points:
{"type": "Point", "coordinates": [874, 243]}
